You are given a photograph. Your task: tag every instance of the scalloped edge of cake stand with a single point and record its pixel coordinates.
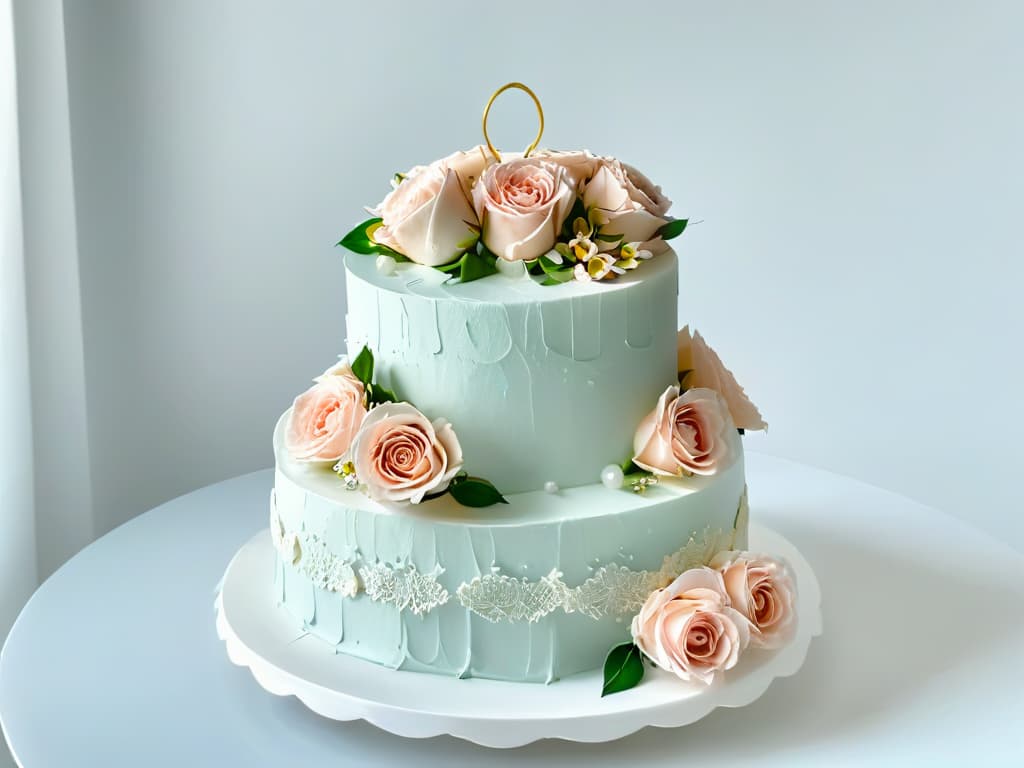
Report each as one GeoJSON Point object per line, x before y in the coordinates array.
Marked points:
{"type": "Point", "coordinates": [259, 635]}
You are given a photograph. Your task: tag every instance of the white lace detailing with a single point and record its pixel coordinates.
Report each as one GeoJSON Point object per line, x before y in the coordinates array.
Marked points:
{"type": "Point", "coordinates": [327, 571]}
{"type": "Point", "coordinates": [498, 597]}
{"type": "Point", "coordinates": [697, 551]}
{"type": "Point", "coordinates": [403, 587]}
{"type": "Point", "coordinates": [286, 544]}
{"type": "Point", "coordinates": [613, 589]}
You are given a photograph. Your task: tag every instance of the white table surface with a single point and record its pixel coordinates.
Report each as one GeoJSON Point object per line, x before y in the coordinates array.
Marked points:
{"type": "Point", "coordinates": [115, 660]}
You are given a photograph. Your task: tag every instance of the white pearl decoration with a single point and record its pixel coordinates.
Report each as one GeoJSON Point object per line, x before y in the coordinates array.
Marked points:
{"type": "Point", "coordinates": [550, 487]}
{"type": "Point", "coordinates": [386, 264]}
{"type": "Point", "coordinates": [612, 476]}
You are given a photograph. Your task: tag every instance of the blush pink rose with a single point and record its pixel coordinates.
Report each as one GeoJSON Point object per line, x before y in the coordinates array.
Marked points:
{"type": "Point", "coordinates": [688, 628]}
{"type": "Point", "coordinates": [326, 417]}
{"type": "Point", "coordinates": [522, 204]}
{"type": "Point", "coordinates": [762, 589]}
{"type": "Point", "coordinates": [623, 208]}
{"type": "Point", "coordinates": [644, 191]}
{"type": "Point", "coordinates": [579, 164]}
{"type": "Point", "coordinates": [704, 368]}
{"type": "Point", "coordinates": [427, 216]}
{"type": "Point", "coordinates": [685, 434]}
{"type": "Point", "coordinates": [400, 455]}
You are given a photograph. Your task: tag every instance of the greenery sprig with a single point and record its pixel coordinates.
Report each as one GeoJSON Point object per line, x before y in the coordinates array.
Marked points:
{"type": "Point", "coordinates": [623, 669]}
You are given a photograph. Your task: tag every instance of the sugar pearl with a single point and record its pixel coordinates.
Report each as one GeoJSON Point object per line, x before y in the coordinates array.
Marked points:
{"type": "Point", "coordinates": [550, 487]}
{"type": "Point", "coordinates": [612, 476]}
{"type": "Point", "coordinates": [386, 264]}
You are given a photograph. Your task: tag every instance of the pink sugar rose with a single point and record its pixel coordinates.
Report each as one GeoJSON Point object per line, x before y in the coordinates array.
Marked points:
{"type": "Point", "coordinates": [688, 628]}
{"type": "Point", "coordinates": [578, 164]}
{"type": "Point", "coordinates": [522, 204]}
{"type": "Point", "coordinates": [399, 455]}
{"type": "Point", "coordinates": [644, 191]}
{"type": "Point", "coordinates": [685, 434]}
{"type": "Point", "coordinates": [704, 368]}
{"type": "Point", "coordinates": [326, 417]}
{"type": "Point", "coordinates": [762, 589]}
{"type": "Point", "coordinates": [428, 215]}
{"type": "Point", "coordinates": [626, 204]}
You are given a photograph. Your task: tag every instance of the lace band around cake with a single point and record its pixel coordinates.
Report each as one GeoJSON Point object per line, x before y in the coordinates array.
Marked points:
{"type": "Point", "coordinates": [613, 590]}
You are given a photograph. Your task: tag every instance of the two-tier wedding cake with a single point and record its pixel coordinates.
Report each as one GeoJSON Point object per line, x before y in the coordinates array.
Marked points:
{"type": "Point", "coordinates": [520, 464]}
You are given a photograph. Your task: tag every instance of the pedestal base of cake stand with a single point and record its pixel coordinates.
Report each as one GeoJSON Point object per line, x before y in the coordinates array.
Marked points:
{"type": "Point", "coordinates": [260, 635]}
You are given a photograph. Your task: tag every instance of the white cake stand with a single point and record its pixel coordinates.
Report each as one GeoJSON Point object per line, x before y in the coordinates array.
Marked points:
{"type": "Point", "coordinates": [287, 662]}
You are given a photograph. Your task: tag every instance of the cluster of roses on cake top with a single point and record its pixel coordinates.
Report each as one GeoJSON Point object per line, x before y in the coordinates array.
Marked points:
{"type": "Point", "coordinates": [562, 215]}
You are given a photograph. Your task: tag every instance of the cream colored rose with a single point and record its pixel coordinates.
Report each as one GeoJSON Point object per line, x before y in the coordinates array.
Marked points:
{"type": "Point", "coordinates": [469, 165]}
{"type": "Point", "coordinates": [704, 368]}
{"type": "Point", "coordinates": [325, 418]}
{"type": "Point", "coordinates": [428, 215]}
{"type": "Point", "coordinates": [400, 455]}
{"type": "Point", "coordinates": [623, 208]}
{"type": "Point", "coordinates": [644, 191]}
{"type": "Point", "coordinates": [762, 589]}
{"type": "Point", "coordinates": [579, 164]}
{"type": "Point", "coordinates": [685, 434]}
{"type": "Point", "coordinates": [688, 628]}
{"type": "Point", "coordinates": [522, 204]}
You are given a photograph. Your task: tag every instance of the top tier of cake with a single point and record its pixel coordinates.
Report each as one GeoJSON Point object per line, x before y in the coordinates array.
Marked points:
{"type": "Point", "coordinates": [541, 383]}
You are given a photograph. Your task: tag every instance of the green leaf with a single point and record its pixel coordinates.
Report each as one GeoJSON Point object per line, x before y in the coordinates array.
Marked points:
{"type": "Point", "coordinates": [358, 240]}
{"type": "Point", "coordinates": [534, 268]}
{"type": "Point", "coordinates": [565, 251]}
{"type": "Point", "coordinates": [378, 394]}
{"type": "Point", "coordinates": [629, 468]}
{"type": "Point", "coordinates": [457, 264]}
{"type": "Point", "coordinates": [623, 669]}
{"type": "Point", "coordinates": [578, 211]}
{"type": "Point", "coordinates": [672, 228]}
{"type": "Point", "coordinates": [607, 237]}
{"type": "Point", "coordinates": [475, 265]}
{"type": "Point", "coordinates": [556, 273]}
{"type": "Point", "coordinates": [475, 492]}
{"type": "Point", "coordinates": [362, 367]}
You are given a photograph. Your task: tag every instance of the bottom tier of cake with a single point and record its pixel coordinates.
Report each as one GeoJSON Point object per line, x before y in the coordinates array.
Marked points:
{"type": "Point", "coordinates": [529, 591]}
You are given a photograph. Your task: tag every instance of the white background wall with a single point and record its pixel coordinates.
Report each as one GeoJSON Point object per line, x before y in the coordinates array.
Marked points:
{"type": "Point", "coordinates": [857, 168]}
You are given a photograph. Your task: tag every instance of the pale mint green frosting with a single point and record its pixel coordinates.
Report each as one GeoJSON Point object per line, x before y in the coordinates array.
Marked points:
{"type": "Point", "coordinates": [540, 382]}
{"type": "Point", "coordinates": [577, 533]}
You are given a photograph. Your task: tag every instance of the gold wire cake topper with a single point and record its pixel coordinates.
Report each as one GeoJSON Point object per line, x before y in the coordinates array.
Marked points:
{"type": "Point", "coordinates": [540, 115]}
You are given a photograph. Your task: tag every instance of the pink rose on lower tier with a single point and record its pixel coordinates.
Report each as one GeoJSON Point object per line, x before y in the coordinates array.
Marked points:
{"type": "Point", "coordinates": [400, 455]}
{"type": "Point", "coordinates": [762, 589]}
{"type": "Point", "coordinates": [685, 434]}
{"type": "Point", "coordinates": [326, 417]}
{"type": "Point", "coordinates": [522, 204]}
{"type": "Point", "coordinates": [704, 368]}
{"type": "Point", "coordinates": [428, 215]}
{"type": "Point", "coordinates": [689, 628]}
